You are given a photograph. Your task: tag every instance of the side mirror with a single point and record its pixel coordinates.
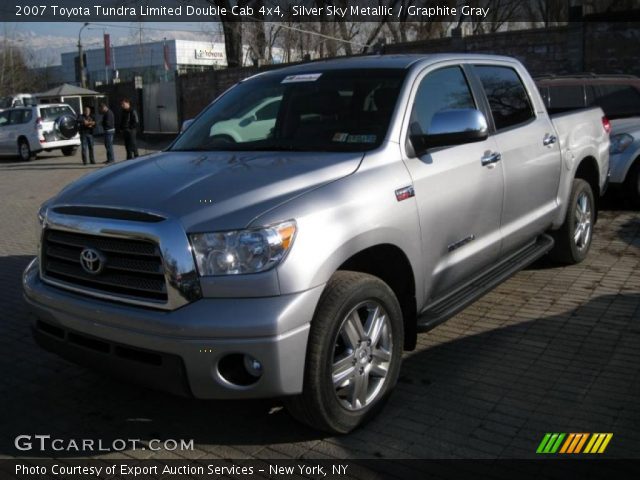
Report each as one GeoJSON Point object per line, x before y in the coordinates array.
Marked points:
{"type": "Point", "coordinates": [452, 127]}
{"type": "Point", "coordinates": [186, 124]}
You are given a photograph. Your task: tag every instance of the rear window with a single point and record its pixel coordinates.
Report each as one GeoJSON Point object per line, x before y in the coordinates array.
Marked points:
{"type": "Point", "coordinates": [508, 99]}
{"type": "Point", "coordinates": [52, 113]}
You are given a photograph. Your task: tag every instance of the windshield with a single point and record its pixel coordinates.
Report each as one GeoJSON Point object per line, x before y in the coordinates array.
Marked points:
{"type": "Point", "coordinates": [340, 110]}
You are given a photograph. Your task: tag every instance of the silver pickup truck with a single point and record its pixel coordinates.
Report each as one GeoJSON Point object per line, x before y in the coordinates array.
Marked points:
{"type": "Point", "coordinates": [357, 203]}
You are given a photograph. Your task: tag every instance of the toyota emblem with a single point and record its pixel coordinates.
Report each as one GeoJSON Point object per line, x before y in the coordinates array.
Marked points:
{"type": "Point", "coordinates": [92, 261]}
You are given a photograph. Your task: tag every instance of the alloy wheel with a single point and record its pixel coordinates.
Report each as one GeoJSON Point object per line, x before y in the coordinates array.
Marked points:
{"type": "Point", "coordinates": [362, 355]}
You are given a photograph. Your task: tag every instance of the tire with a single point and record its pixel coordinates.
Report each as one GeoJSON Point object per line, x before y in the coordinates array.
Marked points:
{"type": "Point", "coordinates": [572, 246]}
{"type": "Point", "coordinates": [66, 125]}
{"type": "Point", "coordinates": [24, 150]}
{"type": "Point", "coordinates": [632, 185]}
{"type": "Point", "coordinates": [369, 369]}
{"type": "Point", "coordinates": [68, 151]}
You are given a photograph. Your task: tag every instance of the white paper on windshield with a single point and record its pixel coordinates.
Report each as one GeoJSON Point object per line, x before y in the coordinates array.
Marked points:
{"type": "Point", "coordinates": [340, 137]}
{"type": "Point", "coordinates": [302, 77]}
{"type": "Point", "coordinates": [361, 139]}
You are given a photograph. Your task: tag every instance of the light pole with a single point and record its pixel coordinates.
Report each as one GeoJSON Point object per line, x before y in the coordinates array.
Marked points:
{"type": "Point", "coordinates": [83, 82]}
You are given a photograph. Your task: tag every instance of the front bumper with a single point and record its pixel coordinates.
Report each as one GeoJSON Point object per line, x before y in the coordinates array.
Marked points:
{"type": "Point", "coordinates": [620, 163]}
{"type": "Point", "coordinates": [178, 351]}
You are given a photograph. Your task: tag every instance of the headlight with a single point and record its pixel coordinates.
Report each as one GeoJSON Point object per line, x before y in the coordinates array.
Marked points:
{"type": "Point", "coordinates": [242, 251]}
{"type": "Point", "coordinates": [620, 142]}
{"type": "Point", "coordinates": [42, 215]}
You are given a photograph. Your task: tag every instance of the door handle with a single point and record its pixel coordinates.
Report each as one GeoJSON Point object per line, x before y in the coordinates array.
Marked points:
{"type": "Point", "coordinates": [549, 140]}
{"type": "Point", "coordinates": [490, 158]}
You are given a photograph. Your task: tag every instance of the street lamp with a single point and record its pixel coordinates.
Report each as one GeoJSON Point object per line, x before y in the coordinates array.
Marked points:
{"type": "Point", "coordinates": [83, 81]}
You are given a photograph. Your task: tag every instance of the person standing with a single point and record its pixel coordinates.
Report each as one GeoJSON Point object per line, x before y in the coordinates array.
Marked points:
{"type": "Point", "coordinates": [129, 126]}
{"type": "Point", "coordinates": [109, 126]}
{"type": "Point", "coordinates": [86, 122]}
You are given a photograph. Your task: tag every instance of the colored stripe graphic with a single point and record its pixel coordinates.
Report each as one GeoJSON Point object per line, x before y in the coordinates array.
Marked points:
{"type": "Point", "coordinates": [550, 443]}
{"type": "Point", "coordinates": [574, 443]}
{"type": "Point", "coordinates": [598, 442]}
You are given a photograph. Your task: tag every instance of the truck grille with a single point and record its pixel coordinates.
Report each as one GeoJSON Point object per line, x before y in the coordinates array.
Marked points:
{"type": "Point", "coordinates": [128, 268]}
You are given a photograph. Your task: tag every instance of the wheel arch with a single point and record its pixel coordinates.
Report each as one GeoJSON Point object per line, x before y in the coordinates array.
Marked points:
{"type": "Point", "coordinates": [588, 171]}
{"type": "Point", "coordinates": [389, 263]}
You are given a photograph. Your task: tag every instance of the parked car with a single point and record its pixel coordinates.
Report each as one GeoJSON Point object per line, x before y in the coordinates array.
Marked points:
{"type": "Point", "coordinates": [619, 97]}
{"type": "Point", "coordinates": [26, 131]}
{"type": "Point", "coordinates": [251, 125]}
{"type": "Point", "coordinates": [388, 194]}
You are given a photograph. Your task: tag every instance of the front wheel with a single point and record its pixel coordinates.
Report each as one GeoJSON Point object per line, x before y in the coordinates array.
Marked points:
{"type": "Point", "coordinates": [573, 239]}
{"type": "Point", "coordinates": [353, 355]}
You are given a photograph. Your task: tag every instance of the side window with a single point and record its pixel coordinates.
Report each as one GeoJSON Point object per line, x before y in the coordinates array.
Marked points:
{"type": "Point", "coordinates": [589, 95]}
{"type": "Point", "coordinates": [544, 93]}
{"type": "Point", "coordinates": [508, 99]}
{"type": "Point", "coordinates": [566, 97]}
{"type": "Point", "coordinates": [4, 118]}
{"type": "Point", "coordinates": [19, 116]}
{"type": "Point", "coordinates": [444, 89]}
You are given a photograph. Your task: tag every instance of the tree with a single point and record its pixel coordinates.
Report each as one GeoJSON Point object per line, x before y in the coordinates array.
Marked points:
{"type": "Point", "coordinates": [15, 75]}
{"type": "Point", "coordinates": [501, 12]}
{"type": "Point", "coordinates": [232, 31]}
{"type": "Point", "coordinates": [547, 13]}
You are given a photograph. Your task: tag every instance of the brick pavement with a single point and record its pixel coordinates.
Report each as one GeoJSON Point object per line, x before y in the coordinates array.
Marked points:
{"type": "Point", "coordinates": [553, 349]}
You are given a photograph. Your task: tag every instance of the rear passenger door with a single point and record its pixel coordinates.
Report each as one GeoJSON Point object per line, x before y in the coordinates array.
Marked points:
{"type": "Point", "coordinates": [459, 199]}
{"type": "Point", "coordinates": [531, 159]}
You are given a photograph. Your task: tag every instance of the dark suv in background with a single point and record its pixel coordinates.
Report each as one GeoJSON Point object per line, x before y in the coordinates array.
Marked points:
{"type": "Point", "coordinates": [619, 98]}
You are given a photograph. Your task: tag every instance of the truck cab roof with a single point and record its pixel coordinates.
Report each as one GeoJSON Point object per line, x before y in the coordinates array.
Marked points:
{"type": "Point", "coordinates": [394, 61]}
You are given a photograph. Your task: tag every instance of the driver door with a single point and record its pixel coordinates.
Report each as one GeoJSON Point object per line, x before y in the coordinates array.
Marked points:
{"type": "Point", "coordinates": [459, 196]}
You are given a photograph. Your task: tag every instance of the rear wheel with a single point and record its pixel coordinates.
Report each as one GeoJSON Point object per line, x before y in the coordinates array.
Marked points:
{"type": "Point", "coordinates": [353, 356]}
{"type": "Point", "coordinates": [24, 150]}
{"type": "Point", "coordinates": [632, 184]}
{"type": "Point", "coordinates": [68, 151]}
{"type": "Point", "coordinates": [573, 239]}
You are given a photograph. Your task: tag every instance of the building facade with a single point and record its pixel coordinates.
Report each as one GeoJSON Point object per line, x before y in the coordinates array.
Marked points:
{"type": "Point", "coordinates": [153, 61]}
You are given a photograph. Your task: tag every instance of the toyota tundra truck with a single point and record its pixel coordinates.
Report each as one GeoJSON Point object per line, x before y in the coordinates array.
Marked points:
{"type": "Point", "coordinates": [355, 203]}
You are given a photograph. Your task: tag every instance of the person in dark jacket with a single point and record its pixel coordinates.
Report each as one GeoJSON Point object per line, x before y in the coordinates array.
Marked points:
{"type": "Point", "coordinates": [129, 126]}
{"type": "Point", "coordinates": [109, 126]}
{"type": "Point", "coordinates": [86, 122]}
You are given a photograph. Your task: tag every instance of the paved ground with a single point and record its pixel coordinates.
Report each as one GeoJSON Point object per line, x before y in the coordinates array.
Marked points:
{"type": "Point", "coordinates": [552, 350]}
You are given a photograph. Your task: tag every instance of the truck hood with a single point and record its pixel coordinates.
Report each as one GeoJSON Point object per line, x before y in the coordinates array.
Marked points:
{"type": "Point", "coordinates": [209, 191]}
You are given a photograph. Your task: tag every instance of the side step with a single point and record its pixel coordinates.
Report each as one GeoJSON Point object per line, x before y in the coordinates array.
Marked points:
{"type": "Point", "coordinates": [448, 305]}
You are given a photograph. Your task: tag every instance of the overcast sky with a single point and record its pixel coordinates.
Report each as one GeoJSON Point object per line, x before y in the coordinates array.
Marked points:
{"type": "Point", "coordinates": [44, 42]}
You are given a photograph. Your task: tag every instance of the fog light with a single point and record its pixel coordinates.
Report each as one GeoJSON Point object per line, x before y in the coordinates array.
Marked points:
{"type": "Point", "coordinates": [240, 369]}
{"type": "Point", "coordinates": [253, 366]}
